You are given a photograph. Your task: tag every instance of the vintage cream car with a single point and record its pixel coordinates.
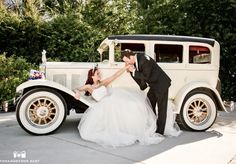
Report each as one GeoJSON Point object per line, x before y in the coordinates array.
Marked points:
{"type": "Point", "coordinates": [191, 62]}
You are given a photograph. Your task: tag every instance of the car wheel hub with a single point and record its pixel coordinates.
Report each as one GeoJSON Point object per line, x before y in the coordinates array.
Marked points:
{"type": "Point", "coordinates": [42, 111]}
{"type": "Point", "coordinates": [198, 111]}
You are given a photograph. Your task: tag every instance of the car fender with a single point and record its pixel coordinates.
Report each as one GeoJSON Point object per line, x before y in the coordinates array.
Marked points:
{"type": "Point", "coordinates": [179, 98]}
{"type": "Point", "coordinates": [49, 84]}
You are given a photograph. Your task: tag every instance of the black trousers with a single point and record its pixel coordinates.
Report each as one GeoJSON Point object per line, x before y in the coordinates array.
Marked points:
{"type": "Point", "coordinates": [161, 100]}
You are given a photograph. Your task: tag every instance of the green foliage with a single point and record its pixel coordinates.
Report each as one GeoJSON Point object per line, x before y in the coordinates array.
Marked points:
{"type": "Point", "coordinates": [21, 35]}
{"type": "Point", "coordinates": [161, 17]}
{"type": "Point", "coordinates": [70, 39]}
{"type": "Point", "coordinates": [14, 71]}
{"type": "Point", "coordinates": [63, 6]}
{"type": "Point", "coordinates": [112, 17]}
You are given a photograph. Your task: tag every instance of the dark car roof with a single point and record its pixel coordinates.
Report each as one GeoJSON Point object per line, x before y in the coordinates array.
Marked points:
{"type": "Point", "coordinates": [163, 38]}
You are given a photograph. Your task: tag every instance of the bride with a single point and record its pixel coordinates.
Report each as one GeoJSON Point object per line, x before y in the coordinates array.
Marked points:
{"type": "Point", "coordinates": [120, 117]}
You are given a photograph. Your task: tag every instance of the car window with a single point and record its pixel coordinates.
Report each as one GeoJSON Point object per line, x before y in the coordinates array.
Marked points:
{"type": "Point", "coordinates": [105, 55]}
{"type": "Point", "coordinates": [135, 47]}
{"type": "Point", "coordinates": [167, 53]}
{"type": "Point", "coordinates": [199, 55]}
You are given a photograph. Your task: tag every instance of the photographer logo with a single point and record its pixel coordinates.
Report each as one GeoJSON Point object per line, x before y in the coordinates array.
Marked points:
{"type": "Point", "coordinates": [19, 157]}
{"type": "Point", "coordinates": [19, 154]}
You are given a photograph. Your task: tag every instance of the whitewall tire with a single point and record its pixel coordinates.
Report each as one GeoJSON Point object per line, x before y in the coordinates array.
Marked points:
{"type": "Point", "coordinates": [198, 112]}
{"type": "Point", "coordinates": [41, 111]}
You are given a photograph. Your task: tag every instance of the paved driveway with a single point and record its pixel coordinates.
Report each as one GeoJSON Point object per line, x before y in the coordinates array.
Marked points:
{"type": "Point", "coordinates": [216, 146]}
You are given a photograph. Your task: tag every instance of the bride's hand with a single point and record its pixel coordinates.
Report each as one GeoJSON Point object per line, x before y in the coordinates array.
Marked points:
{"type": "Point", "coordinates": [77, 95]}
{"type": "Point", "coordinates": [127, 67]}
{"type": "Point", "coordinates": [130, 68]}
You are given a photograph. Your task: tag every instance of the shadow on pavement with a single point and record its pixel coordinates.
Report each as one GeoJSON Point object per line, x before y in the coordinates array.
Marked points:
{"type": "Point", "coordinates": [136, 152]}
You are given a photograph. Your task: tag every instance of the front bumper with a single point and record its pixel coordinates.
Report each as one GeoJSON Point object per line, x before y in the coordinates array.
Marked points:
{"type": "Point", "coordinates": [8, 106]}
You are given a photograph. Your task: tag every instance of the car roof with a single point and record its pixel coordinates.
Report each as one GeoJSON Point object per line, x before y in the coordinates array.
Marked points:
{"type": "Point", "coordinates": [163, 38]}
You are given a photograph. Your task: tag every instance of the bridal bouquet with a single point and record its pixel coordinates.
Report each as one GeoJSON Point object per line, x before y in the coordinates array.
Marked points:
{"type": "Point", "coordinates": [35, 75]}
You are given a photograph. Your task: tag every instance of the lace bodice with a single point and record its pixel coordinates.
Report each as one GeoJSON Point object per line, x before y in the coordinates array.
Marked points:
{"type": "Point", "coordinates": [99, 93]}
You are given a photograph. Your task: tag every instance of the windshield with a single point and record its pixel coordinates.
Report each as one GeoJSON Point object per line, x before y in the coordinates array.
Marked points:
{"type": "Point", "coordinates": [103, 50]}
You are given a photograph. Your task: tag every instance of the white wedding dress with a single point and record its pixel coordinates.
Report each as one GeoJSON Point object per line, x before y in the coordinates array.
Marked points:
{"type": "Point", "coordinates": [122, 117]}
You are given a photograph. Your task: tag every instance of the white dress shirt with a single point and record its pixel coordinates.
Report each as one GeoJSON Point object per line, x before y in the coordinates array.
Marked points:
{"type": "Point", "coordinates": [136, 63]}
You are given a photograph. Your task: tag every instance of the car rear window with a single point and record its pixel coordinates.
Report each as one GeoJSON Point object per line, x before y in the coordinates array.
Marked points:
{"type": "Point", "coordinates": [199, 55]}
{"type": "Point", "coordinates": [167, 53]}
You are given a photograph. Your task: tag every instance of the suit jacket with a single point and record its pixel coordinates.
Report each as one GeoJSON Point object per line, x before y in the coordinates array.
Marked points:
{"type": "Point", "coordinates": [150, 73]}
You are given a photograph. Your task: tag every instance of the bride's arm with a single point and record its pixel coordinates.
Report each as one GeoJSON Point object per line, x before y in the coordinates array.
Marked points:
{"type": "Point", "coordinates": [84, 88]}
{"type": "Point", "coordinates": [110, 79]}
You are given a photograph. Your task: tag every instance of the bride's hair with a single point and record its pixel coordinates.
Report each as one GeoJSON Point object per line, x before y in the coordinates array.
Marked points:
{"type": "Point", "coordinates": [89, 80]}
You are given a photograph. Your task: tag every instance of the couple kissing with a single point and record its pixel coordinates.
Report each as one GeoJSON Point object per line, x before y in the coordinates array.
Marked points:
{"type": "Point", "coordinates": [122, 117]}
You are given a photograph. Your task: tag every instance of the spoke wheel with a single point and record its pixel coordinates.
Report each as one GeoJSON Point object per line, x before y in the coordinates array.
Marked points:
{"type": "Point", "coordinates": [198, 112]}
{"type": "Point", "coordinates": [41, 111]}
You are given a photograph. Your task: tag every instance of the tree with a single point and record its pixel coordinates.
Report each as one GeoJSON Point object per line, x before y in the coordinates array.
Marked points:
{"type": "Point", "coordinates": [70, 39]}
{"type": "Point", "coordinates": [111, 17]}
{"type": "Point", "coordinates": [14, 71]}
{"type": "Point", "coordinates": [22, 34]}
{"type": "Point", "coordinates": [160, 17]}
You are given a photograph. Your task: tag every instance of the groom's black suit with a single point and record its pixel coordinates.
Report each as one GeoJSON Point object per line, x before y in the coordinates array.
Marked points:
{"type": "Point", "coordinates": [148, 73]}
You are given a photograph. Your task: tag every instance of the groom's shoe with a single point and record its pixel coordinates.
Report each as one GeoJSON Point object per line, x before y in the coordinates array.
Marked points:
{"type": "Point", "coordinates": [157, 131]}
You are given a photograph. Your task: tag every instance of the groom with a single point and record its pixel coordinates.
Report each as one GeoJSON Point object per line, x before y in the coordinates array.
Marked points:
{"type": "Point", "coordinates": [146, 72]}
